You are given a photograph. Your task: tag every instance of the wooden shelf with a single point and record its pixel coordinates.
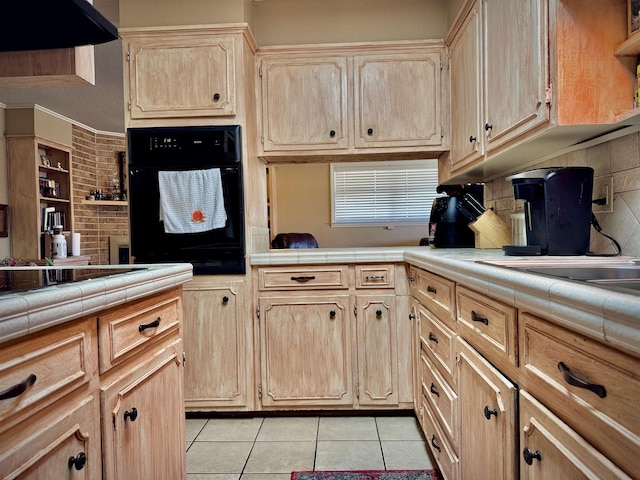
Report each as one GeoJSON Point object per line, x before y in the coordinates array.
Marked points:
{"type": "Point", "coordinates": [53, 169]}
{"type": "Point", "coordinates": [630, 47]}
{"type": "Point", "coordinates": [54, 199]}
{"type": "Point", "coordinates": [118, 203]}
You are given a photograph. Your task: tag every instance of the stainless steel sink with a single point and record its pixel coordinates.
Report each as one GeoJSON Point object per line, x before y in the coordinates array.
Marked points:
{"type": "Point", "coordinates": [617, 274]}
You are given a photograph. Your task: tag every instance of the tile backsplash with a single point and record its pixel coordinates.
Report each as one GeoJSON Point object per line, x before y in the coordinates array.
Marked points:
{"type": "Point", "coordinates": [619, 158]}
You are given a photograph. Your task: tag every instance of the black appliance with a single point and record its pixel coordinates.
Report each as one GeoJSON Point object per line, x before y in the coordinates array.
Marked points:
{"type": "Point", "coordinates": [46, 24]}
{"type": "Point", "coordinates": [151, 150]}
{"type": "Point", "coordinates": [557, 209]}
{"type": "Point", "coordinates": [451, 215]}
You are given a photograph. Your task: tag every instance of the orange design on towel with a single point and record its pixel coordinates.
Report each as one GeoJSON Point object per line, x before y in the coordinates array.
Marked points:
{"type": "Point", "coordinates": [197, 216]}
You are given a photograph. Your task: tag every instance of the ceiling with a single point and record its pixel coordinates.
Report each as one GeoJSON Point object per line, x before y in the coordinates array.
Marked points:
{"type": "Point", "coordinates": [99, 106]}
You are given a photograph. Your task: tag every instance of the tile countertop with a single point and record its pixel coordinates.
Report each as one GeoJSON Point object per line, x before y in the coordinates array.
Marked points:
{"type": "Point", "coordinates": [26, 312]}
{"type": "Point", "coordinates": [610, 316]}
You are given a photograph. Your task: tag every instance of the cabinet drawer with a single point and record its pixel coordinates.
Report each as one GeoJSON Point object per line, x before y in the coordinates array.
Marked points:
{"type": "Point", "coordinates": [442, 398]}
{"type": "Point", "coordinates": [562, 452]}
{"type": "Point", "coordinates": [438, 341]}
{"type": "Point", "coordinates": [302, 278]}
{"type": "Point", "coordinates": [487, 324]}
{"type": "Point", "coordinates": [374, 276]}
{"type": "Point", "coordinates": [441, 449]}
{"type": "Point", "coordinates": [437, 294]}
{"type": "Point", "coordinates": [605, 409]}
{"type": "Point", "coordinates": [127, 329]}
{"type": "Point", "coordinates": [44, 368]}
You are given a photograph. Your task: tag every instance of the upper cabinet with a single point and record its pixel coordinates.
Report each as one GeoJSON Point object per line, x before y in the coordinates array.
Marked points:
{"type": "Point", "coordinates": [174, 73]}
{"type": "Point", "coordinates": [353, 100]}
{"type": "Point", "coordinates": [530, 77]}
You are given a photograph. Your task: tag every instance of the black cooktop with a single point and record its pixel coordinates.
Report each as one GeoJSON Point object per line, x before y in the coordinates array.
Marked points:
{"type": "Point", "coordinates": [16, 280]}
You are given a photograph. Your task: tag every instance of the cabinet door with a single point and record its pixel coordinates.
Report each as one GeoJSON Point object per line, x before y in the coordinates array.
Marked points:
{"type": "Point", "coordinates": [550, 449]}
{"type": "Point", "coordinates": [181, 77]}
{"type": "Point", "coordinates": [377, 350]}
{"type": "Point", "coordinates": [63, 444]}
{"type": "Point", "coordinates": [215, 347]}
{"type": "Point", "coordinates": [143, 420]}
{"type": "Point", "coordinates": [397, 100]}
{"type": "Point", "coordinates": [465, 63]}
{"type": "Point", "coordinates": [488, 417]}
{"type": "Point", "coordinates": [306, 351]}
{"type": "Point", "coordinates": [304, 104]}
{"type": "Point", "coordinates": [516, 68]}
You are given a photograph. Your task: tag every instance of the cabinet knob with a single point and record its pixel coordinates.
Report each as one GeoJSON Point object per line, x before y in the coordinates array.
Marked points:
{"type": "Point", "coordinates": [472, 139]}
{"type": "Point", "coordinates": [528, 455]}
{"type": "Point", "coordinates": [370, 131]}
{"type": "Point", "coordinates": [488, 412]}
{"type": "Point", "coordinates": [332, 133]}
{"type": "Point", "coordinates": [78, 462]}
{"type": "Point", "coordinates": [487, 127]}
{"type": "Point", "coordinates": [412, 316]}
{"type": "Point", "coordinates": [216, 96]}
{"type": "Point", "coordinates": [131, 414]}
{"type": "Point", "coordinates": [225, 299]}
{"type": "Point", "coordinates": [332, 314]}
{"type": "Point", "coordinates": [378, 313]}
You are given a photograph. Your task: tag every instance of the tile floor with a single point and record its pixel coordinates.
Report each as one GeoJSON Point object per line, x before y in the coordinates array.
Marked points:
{"type": "Point", "coordinates": [270, 448]}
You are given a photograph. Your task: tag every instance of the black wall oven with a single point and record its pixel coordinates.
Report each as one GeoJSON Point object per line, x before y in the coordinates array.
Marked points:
{"type": "Point", "coordinates": [203, 162]}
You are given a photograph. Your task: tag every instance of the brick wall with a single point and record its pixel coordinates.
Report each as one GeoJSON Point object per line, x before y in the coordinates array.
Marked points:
{"type": "Point", "coordinates": [95, 161]}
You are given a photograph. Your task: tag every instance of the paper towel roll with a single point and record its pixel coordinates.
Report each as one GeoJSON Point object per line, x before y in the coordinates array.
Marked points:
{"type": "Point", "coordinates": [75, 244]}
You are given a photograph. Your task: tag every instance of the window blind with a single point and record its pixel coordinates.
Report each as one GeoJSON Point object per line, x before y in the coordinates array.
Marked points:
{"type": "Point", "coordinates": [383, 193]}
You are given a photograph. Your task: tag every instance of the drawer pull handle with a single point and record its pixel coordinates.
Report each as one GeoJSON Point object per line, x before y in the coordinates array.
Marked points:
{"type": "Point", "coordinates": [433, 338]}
{"type": "Point", "coordinates": [571, 379]}
{"type": "Point", "coordinates": [529, 455]}
{"type": "Point", "coordinates": [434, 444]}
{"type": "Point", "coordinates": [131, 414]}
{"type": "Point", "coordinates": [412, 316]}
{"type": "Point", "coordinates": [488, 412]}
{"type": "Point", "coordinates": [18, 389]}
{"type": "Point", "coordinates": [477, 318]}
{"type": "Point", "coordinates": [374, 277]}
{"type": "Point", "coordinates": [154, 324]}
{"type": "Point", "coordinates": [79, 461]}
{"type": "Point", "coordinates": [225, 299]}
{"type": "Point", "coordinates": [216, 96]}
{"type": "Point", "coordinates": [430, 289]}
{"type": "Point", "coordinates": [434, 390]}
{"type": "Point", "coordinates": [303, 279]}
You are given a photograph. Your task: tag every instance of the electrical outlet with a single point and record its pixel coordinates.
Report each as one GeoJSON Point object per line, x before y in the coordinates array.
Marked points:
{"type": "Point", "coordinates": [603, 189]}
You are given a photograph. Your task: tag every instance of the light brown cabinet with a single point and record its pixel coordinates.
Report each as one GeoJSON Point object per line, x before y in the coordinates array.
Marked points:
{"type": "Point", "coordinates": [172, 73]}
{"type": "Point", "coordinates": [330, 336]}
{"type": "Point", "coordinates": [488, 413]}
{"type": "Point", "coordinates": [317, 119]}
{"type": "Point", "coordinates": [216, 341]}
{"type": "Point", "coordinates": [542, 81]}
{"type": "Point", "coordinates": [575, 409]}
{"type": "Point", "coordinates": [382, 99]}
{"type": "Point", "coordinates": [64, 417]}
{"type": "Point", "coordinates": [40, 178]}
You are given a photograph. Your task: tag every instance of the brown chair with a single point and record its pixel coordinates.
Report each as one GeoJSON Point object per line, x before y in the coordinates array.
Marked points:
{"type": "Point", "coordinates": [294, 240]}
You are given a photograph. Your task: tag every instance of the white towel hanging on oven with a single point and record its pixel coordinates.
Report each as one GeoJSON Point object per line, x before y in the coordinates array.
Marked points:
{"type": "Point", "coordinates": [191, 201]}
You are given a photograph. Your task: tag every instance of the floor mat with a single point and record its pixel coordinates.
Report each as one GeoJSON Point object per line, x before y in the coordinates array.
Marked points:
{"type": "Point", "coordinates": [368, 475]}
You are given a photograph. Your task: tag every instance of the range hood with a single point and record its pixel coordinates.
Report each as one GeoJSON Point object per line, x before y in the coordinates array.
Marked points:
{"type": "Point", "coordinates": [48, 24]}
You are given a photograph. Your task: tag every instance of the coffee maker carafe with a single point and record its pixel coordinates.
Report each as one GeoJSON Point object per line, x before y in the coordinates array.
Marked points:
{"type": "Point", "coordinates": [557, 208]}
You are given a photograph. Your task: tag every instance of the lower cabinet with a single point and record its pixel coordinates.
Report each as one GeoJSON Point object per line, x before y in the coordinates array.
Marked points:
{"type": "Point", "coordinates": [217, 346]}
{"type": "Point", "coordinates": [488, 415]}
{"type": "Point", "coordinates": [306, 345]}
{"type": "Point", "coordinates": [143, 420]}
{"type": "Point", "coordinates": [550, 449]}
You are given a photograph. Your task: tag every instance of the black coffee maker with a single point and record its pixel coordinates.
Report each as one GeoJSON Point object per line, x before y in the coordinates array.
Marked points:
{"type": "Point", "coordinates": [451, 215]}
{"type": "Point", "coordinates": [557, 208]}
